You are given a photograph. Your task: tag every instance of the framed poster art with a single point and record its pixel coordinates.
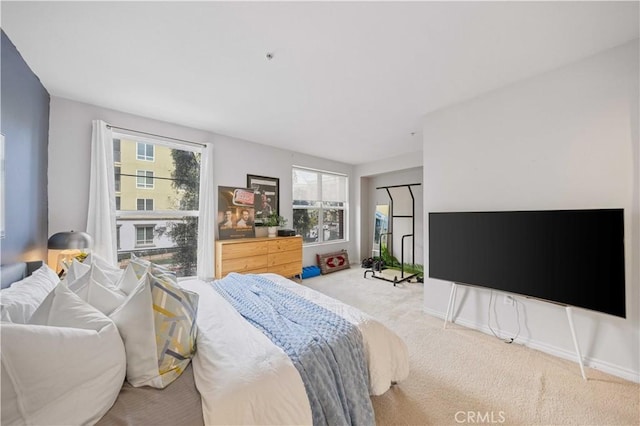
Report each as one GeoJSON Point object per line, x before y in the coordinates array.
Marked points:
{"type": "Point", "coordinates": [236, 213]}
{"type": "Point", "coordinates": [267, 196]}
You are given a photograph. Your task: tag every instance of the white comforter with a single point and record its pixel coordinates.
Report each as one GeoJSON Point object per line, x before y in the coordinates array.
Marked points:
{"type": "Point", "coordinates": [244, 378]}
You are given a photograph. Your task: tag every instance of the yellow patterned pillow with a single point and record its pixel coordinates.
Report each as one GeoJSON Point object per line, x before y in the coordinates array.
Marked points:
{"type": "Point", "coordinates": [174, 313]}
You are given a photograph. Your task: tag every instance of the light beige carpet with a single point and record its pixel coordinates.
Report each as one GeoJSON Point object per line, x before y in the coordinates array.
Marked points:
{"type": "Point", "coordinates": [462, 376]}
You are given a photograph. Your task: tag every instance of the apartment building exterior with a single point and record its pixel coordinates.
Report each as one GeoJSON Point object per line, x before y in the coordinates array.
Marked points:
{"type": "Point", "coordinates": [146, 201]}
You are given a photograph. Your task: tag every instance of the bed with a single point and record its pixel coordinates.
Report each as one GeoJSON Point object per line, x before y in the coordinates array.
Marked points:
{"type": "Point", "coordinates": [238, 375]}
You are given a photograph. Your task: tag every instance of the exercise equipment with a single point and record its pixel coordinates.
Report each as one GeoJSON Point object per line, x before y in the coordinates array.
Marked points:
{"type": "Point", "coordinates": [377, 267]}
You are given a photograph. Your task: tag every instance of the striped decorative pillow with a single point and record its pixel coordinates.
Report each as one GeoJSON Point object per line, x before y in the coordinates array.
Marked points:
{"type": "Point", "coordinates": [174, 313]}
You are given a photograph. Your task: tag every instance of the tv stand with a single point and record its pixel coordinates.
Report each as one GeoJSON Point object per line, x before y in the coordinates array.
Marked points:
{"type": "Point", "coordinates": [452, 302]}
{"type": "Point", "coordinates": [575, 340]}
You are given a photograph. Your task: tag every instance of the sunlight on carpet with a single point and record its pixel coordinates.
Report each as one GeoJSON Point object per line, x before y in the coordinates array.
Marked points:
{"type": "Point", "coordinates": [462, 376]}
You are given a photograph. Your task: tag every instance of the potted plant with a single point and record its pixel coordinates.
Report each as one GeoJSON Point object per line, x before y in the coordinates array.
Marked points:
{"type": "Point", "coordinates": [272, 222]}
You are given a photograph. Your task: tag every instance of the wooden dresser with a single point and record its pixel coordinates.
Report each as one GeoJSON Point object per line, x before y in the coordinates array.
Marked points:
{"type": "Point", "coordinates": [280, 255]}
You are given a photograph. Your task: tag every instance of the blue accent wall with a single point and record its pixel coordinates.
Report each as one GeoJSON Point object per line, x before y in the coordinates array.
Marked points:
{"type": "Point", "coordinates": [24, 122]}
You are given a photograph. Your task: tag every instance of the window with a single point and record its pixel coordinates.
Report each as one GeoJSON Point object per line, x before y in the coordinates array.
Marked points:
{"type": "Point", "coordinates": [144, 235]}
{"type": "Point", "coordinates": [157, 203]}
{"type": "Point", "coordinates": [116, 151]}
{"type": "Point", "coordinates": [319, 205]}
{"type": "Point", "coordinates": [145, 203]}
{"type": "Point", "coordinates": [117, 169]}
{"type": "Point", "coordinates": [144, 179]}
{"type": "Point", "coordinates": [145, 151]}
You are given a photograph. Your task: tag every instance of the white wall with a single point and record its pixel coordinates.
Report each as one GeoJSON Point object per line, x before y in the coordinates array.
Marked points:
{"type": "Point", "coordinates": [567, 139]}
{"type": "Point", "coordinates": [69, 154]}
{"type": "Point", "coordinates": [390, 165]}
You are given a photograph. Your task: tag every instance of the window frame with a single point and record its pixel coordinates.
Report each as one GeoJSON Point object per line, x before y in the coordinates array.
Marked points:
{"type": "Point", "coordinates": [153, 215]}
{"type": "Point", "coordinates": [117, 158]}
{"type": "Point", "coordinates": [117, 178]}
{"type": "Point", "coordinates": [145, 204]}
{"type": "Point", "coordinates": [322, 206]}
{"type": "Point", "coordinates": [146, 177]}
{"type": "Point", "coordinates": [145, 244]}
{"type": "Point", "coordinates": [145, 156]}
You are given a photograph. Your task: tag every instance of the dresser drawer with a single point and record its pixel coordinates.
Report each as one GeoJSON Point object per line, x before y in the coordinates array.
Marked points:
{"type": "Point", "coordinates": [244, 265]}
{"type": "Point", "coordinates": [281, 258]}
{"type": "Point", "coordinates": [285, 244]}
{"type": "Point", "coordinates": [287, 270]}
{"type": "Point", "coordinates": [280, 255]}
{"type": "Point", "coordinates": [239, 250]}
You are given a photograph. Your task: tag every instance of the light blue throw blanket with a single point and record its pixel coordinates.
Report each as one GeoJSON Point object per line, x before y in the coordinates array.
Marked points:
{"type": "Point", "coordinates": [326, 349]}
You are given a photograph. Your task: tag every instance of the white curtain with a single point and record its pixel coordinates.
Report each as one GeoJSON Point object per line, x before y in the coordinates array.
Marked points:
{"type": "Point", "coordinates": [101, 222]}
{"type": "Point", "coordinates": [206, 222]}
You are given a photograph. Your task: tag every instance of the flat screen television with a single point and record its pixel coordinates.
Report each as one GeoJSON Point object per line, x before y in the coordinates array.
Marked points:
{"type": "Point", "coordinates": [570, 257]}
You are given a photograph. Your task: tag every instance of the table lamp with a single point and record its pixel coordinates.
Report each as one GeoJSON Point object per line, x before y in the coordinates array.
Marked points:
{"type": "Point", "coordinates": [64, 246]}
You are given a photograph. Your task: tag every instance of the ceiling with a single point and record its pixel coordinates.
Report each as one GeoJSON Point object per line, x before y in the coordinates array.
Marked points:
{"type": "Point", "coordinates": [347, 81]}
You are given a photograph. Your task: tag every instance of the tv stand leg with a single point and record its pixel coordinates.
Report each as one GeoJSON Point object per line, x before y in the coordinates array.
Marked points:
{"type": "Point", "coordinates": [575, 340]}
{"type": "Point", "coordinates": [452, 301]}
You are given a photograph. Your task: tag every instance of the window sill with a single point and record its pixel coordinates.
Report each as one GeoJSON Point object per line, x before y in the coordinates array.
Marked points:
{"type": "Point", "coordinates": [325, 243]}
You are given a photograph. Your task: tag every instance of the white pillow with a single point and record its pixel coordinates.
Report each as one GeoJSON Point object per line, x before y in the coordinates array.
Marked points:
{"type": "Point", "coordinates": [76, 270]}
{"type": "Point", "coordinates": [93, 285]}
{"type": "Point", "coordinates": [124, 281]}
{"type": "Point", "coordinates": [66, 367]}
{"type": "Point", "coordinates": [134, 319]}
{"type": "Point", "coordinates": [111, 271]}
{"type": "Point", "coordinates": [157, 325]}
{"type": "Point", "coordinates": [128, 280]}
{"type": "Point", "coordinates": [141, 266]}
{"type": "Point", "coordinates": [18, 302]}
{"type": "Point", "coordinates": [95, 288]}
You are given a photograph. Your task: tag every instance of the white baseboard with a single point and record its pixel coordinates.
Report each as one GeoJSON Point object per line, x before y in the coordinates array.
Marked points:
{"type": "Point", "coordinates": [605, 366]}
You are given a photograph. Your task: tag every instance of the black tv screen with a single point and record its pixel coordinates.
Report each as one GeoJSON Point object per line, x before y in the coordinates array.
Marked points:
{"type": "Point", "coordinates": [571, 257]}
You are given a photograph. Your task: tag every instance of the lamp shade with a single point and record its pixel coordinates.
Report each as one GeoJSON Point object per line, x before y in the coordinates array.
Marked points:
{"type": "Point", "coordinates": [69, 240]}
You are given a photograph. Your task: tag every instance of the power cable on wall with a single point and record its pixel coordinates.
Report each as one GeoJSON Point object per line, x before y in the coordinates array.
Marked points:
{"type": "Point", "coordinates": [515, 304]}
